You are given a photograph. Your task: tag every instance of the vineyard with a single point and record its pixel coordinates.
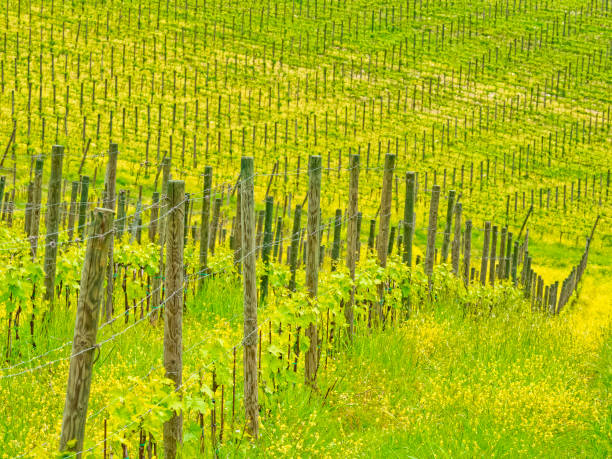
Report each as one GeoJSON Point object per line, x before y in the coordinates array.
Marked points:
{"type": "Point", "coordinates": [305, 228]}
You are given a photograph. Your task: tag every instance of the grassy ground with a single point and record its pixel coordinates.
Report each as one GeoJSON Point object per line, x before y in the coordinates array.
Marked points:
{"type": "Point", "coordinates": [447, 382]}
{"type": "Point", "coordinates": [448, 385]}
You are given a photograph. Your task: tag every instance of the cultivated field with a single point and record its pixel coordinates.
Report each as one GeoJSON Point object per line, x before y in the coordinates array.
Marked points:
{"type": "Point", "coordinates": [336, 228]}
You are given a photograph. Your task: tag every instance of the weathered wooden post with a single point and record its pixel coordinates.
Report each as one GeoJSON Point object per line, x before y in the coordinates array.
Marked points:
{"type": "Point", "coordinates": [392, 238]}
{"type": "Point", "coordinates": [492, 256]}
{"type": "Point", "coordinates": [109, 203]}
{"type": "Point", "coordinates": [238, 232]}
{"type": "Point", "coordinates": [409, 216]}
{"type": "Point", "coordinates": [372, 235]}
{"type": "Point", "coordinates": [352, 238]}
{"type": "Point", "coordinates": [431, 232]}
{"type": "Point", "coordinates": [502, 254]}
{"type": "Point", "coordinates": [214, 226]}
{"type": "Point", "coordinates": [85, 330]}
{"type": "Point", "coordinates": [173, 310]}
{"type": "Point", "coordinates": [205, 224]}
{"type": "Point", "coordinates": [508, 260]}
{"type": "Point", "coordinates": [83, 206]}
{"type": "Point", "coordinates": [72, 213]}
{"type": "Point", "coordinates": [336, 244]}
{"type": "Point", "coordinates": [312, 263]}
{"type": "Point", "coordinates": [251, 404]}
{"type": "Point", "coordinates": [385, 209]}
{"type": "Point", "coordinates": [267, 246]}
{"type": "Point", "coordinates": [295, 246]}
{"type": "Point", "coordinates": [2, 186]}
{"type": "Point", "coordinates": [385, 218]}
{"type": "Point", "coordinates": [485, 253]}
{"type": "Point", "coordinates": [259, 232]}
{"type": "Point", "coordinates": [120, 221]}
{"type": "Point", "coordinates": [163, 209]}
{"type": "Point", "coordinates": [527, 277]}
{"type": "Point", "coordinates": [154, 216]}
{"type": "Point", "coordinates": [514, 267]}
{"type": "Point", "coordinates": [467, 251]}
{"type": "Point", "coordinates": [456, 246]}
{"type": "Point", "coordinates": [188, 204]}
{"type": "Point", "coordinates": [449, 224]}
{"type": "Point", "coordinates": [53, 219]}
{"type": "Point", "coordinates": [552, 302]}
{"type": "Point", "coordinates": [28, 210]}
{"type": "Point", "coordinates": [36, 204]}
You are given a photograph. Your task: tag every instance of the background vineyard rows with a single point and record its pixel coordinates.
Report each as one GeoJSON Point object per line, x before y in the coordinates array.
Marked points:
{"type": "Point", "coordinates": [507, 103]}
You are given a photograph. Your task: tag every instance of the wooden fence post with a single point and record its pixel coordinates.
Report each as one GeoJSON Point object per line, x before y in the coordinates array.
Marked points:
{"type": "Point", "coordinates": [508, 260]}
{"type": "Point", "coordinates": [204, 224]}
{"type": "Point", "coordinates": [352, 237]}
{"type": "Point", "coordinates": [28, 210]}
{"type": "Point", "coordinates": [552, 301]}
{"type": "Point", "coordinates": [53, 219]}
{"type": "Point", "coordinates": [502, 254]}
{"type": "Point", "coordinates": [449, 224]}
{"type": "Point", "coordinates": [456, 246]}
{"type": "Point", "coordinates": [485, 253]}
{"type": "Point", "coordinates": [409, 216]}
{"type": "Point", "coordinates": [36, 204]}
{"type": "Point", "coordinates": [251, 404]}
{"type": "Point", "coordinates": [237, 232]}
{"type": "Point", "coordinates": [385, 210]}
{"type": "Point", "coordinates": [85, 330]}
{"type": "Point", "coordinates": [109, 203]}
{"type": "Point", "coordinates": [72, 213]}
{"type": "Point", "coordinates": [120, 221]}
{"type": "Point", "coordinates": [267, 246]}
{"type": "Point", "coordinates": [385, 218]}
{"type": "Point", "coordinates": [173, 310]}
{"type": "Point", "coordinates": [467, 251]}
{"type": "Point", "coordinates": [527, 277]}
{"type": "Point", "coordinates": [372, 235]}
{"type": "Point", "coordinates": [295, 246]}
{"type": "Point", "coordinates": [83, 206]}
{"type": "Point", "coordinates": [163, 207]}
{"type": "Point", "coordinates": [431, 232]}
{"type": "Point", "coordinates": [154, 216]}
{"type": "Point", "coordinates": [2, 186]}
{"type": "Point", "coordinates": [214, 226]}
{"type": "Point", "coordinates": [337, 234]}
{"type": "Point", "coordinates": [312, 263]}
{"type": "Point", "coordinates": [514, 266]}
{"type": "Point", "coordinates": [492, 255]}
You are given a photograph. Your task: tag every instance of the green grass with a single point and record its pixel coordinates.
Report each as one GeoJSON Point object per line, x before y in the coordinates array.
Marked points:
{"type": "Point", "coordinates": [473, 375]}
{"type": "Point", "coordinates": [444, 385]}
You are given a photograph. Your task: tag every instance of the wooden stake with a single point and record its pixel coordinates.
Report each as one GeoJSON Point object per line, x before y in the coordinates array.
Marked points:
{"type": "Point", "coordinates": [251, 404]}
{"type": "Point", "coordinates": [449, 223]}
{"type": "Point", "coordinates": [485, 253]}
{"type": "Point", "coordinates": [431, 232]}
{"type": "Point", "coordinates": [204, 224]}
{"type": "Point", "coordinates": [295, 243]}
{"type": "Point", "coordinates": [352, 236]}
{"type": "Point", "coordinates": [173, 310]}
{"type": "Point", "coordinates": [85, 330]}
{"type": "Point", "coordinates": [84, 204]}
{"type": "Point", "coordinates": [409, 216]}
{"type": "Point", "coordinates": [456, 246]}
{"type": "Point", "coordinates": [312, 263]}
{"type": "Point", "coordinates": [109, 203]}
{"type": "Point", "coordinates": [467, 250]}
{"type": "Point", "coordinates": [53, 219]}
{"type": "Point", "coordinates": [267, 246]}
{"type": "Point", "coordinates": [36, 203]}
